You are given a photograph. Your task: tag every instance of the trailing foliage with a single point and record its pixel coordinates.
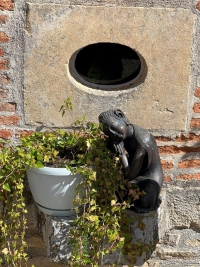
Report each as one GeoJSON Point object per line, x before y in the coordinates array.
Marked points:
{"type": "Point", "coordinates": [103, 195]}
{"type": "Point", "coordinates": [96, 230]}
{"type": "Point", "coordinates": [12, 212]}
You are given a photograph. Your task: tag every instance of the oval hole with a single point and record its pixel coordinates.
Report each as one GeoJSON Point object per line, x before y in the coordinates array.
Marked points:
{"type": "Point", "coordinates": [107, 64]}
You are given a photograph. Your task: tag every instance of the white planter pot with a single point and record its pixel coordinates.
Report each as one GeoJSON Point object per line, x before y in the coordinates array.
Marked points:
{"type": "Point", "coordinates": [53, 190]}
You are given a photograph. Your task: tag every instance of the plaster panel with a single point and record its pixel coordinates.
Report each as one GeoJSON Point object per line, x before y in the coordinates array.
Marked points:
{"type": "Point", "coordinates": [162, 36]}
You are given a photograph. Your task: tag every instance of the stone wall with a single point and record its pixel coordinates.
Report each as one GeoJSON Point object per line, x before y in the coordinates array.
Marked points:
{"type": "Point", "coordinates": [172, 102]}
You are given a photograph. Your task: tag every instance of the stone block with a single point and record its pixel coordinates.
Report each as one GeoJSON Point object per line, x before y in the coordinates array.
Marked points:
{"type": "Point", "coordinates": [143, 229]}
{"type": "Point", "coordinates": [172, 239]}
{"type": "Point", "coordinates": [56, 236]}
{"type": "Point", "coordinates": [169, 253]}
{"type": "Point", "coordinates": [183, 207]}
{"type": "Point", "coordinates": [162, 36]}
{"type": "Point", "coordinates": [193, 242]}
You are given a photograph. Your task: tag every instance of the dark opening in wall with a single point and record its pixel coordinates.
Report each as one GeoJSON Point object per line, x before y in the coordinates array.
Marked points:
{"type": "Point", "coordinates": [107, 64]}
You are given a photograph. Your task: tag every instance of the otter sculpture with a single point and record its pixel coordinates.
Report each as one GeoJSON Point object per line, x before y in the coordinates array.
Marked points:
{"type": "Point", "coordinates": [139, 156]}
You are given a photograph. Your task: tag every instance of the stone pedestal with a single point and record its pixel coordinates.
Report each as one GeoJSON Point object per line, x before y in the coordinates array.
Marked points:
{"type": "Point", "coordinates": [146, 231]}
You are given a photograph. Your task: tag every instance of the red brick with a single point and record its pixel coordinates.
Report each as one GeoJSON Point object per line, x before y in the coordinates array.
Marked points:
{"type": "Point", "coordinates": [189, 163]}
{"type": "Point", "coordinates": [7, 5]}
{"type": "Point", "coordinates": [3, 37]}
{"type": "Point", "coordinates": [9, 107]}
{"type": "Point", "coordinates": [5, 134]}
{"type": "Point", "coordinates": [1, 52]}
{"type": "Point", "coordinates": [23, 133]}
{"type": "Point", "coordinates": [4, 79]}
{"type": "Point", "coordinates": [191, 137]}
{"type": "Point", "coordinates": [166, 165]}
{"type": "Point", "coordinates": [187, 177]}
{"type": "Point", "coordinates": [162, 139]}
{"type": "Point", "coordinates": [3, 64]}
{"type": "Point", "coordinates": [198, 5]}
{"type": "Point", "coordinates": [197, 92]}
{"type": "Point", "coordinates": [3, 93]}
{"type": "Point", "coordinates": [3, 19]}
{"type": "Point", "coordinates": [195, 123]}
{"type": "Point", "coordinates": [196, 108]}
{"type": "Point", "coordinates": [167, 179]}
{"type": "Point", "coordinates": [177, 150]}
{"type": "Point", "coordinates": [4, 120]}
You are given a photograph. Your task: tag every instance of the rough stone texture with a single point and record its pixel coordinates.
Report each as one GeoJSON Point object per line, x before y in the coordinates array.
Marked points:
{"type": "Point", "coordinates": [57, 238]}
{"type": "Point", "coordinates": [145, 234]}
{"type": "Point", "coordinates": [176, 225]}
{"type": "Point", "coordinates": [55, 32]}
{"type": "Point", "coordinates": [184, 207]}
{"type": "Point", "coordinates": [146, 230]}
{"type": "Point", "coordinates": [11, 79]}
{"type": "Point", "coordinates": [179, 241]}
{"type": "Point", "coordinates": [181, 247]}
{"type": "Point", "coordinates": [131, 3]}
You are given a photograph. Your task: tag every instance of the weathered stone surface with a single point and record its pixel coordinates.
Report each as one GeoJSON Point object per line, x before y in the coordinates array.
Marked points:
{"type": "Point", "coordinates": [169, 253]}
{"type": "Point", "coordinates": [56, 236]}
{"type": "Point", "coordinates": [172, 239]}
{"type": "Point", "coordinates": [193, 242]}
{"type": "Point", "coordinates": [180, 246]}
{"type": "Point", "coordinates": [143, 229]}
{"type": "Point", "coordinates": [184, 207]}
{"type": "Point", "coordinates": [163, 36]}
{"type": "Point", "coordinates": [133, 3]}
{"type": "Point", "coordinates": [145, 236]}
{"type": "Point", "coordinates": [175, 263]}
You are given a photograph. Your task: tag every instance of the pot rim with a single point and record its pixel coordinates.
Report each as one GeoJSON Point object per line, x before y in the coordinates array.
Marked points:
{"type": "Point", "coordinates": [51, 171]}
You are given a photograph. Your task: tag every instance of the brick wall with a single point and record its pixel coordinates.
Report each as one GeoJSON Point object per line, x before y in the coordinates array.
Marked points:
{"type": "Point", "coordinates": [12, 14]}
{"type": "Point", "coordinates": [6, 108]}
{"type": "Point", "coordinates": [180, 156]}
{"type": "Point", "coordinates": [179, 150]}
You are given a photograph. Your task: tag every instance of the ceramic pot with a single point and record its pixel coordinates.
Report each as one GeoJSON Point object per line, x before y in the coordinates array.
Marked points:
{"type": "Point", "coordinates": [53, 189]}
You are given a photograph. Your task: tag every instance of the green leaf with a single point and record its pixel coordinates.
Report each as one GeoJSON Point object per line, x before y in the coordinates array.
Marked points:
{"type": "Point", "coordinates": [6, 187]}
{"type": "Point", "coordinates": [122, 187]}
{"type": "Point", "coordinates": [39, 164]}
{"type": "Point", "coordinates": [113, 236]}
{"type": "Point", "coordinates": [73, 161]}
{"type": "Point", "coordinates": [20, 186]}
{"type": "Point", "coordinates": [93, 218]}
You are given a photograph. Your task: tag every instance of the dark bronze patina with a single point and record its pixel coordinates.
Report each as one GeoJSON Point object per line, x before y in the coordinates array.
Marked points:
{"type": "Point", "coordinates": [139, 155]}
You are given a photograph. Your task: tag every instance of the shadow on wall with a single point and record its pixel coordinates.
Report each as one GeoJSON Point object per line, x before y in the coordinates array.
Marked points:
{"type": "Point", "coordinates": [144, 237]}
{"type": "Point", "coordinates": [144, 72]}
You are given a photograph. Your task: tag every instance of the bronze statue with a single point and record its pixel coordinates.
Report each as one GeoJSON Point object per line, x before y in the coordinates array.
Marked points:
{"type": "Point", "coordinates": [139, 155]}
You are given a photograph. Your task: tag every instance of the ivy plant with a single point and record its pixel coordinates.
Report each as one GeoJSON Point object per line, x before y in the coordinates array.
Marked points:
{"type": "Point", "coordinates": [101, 225]}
